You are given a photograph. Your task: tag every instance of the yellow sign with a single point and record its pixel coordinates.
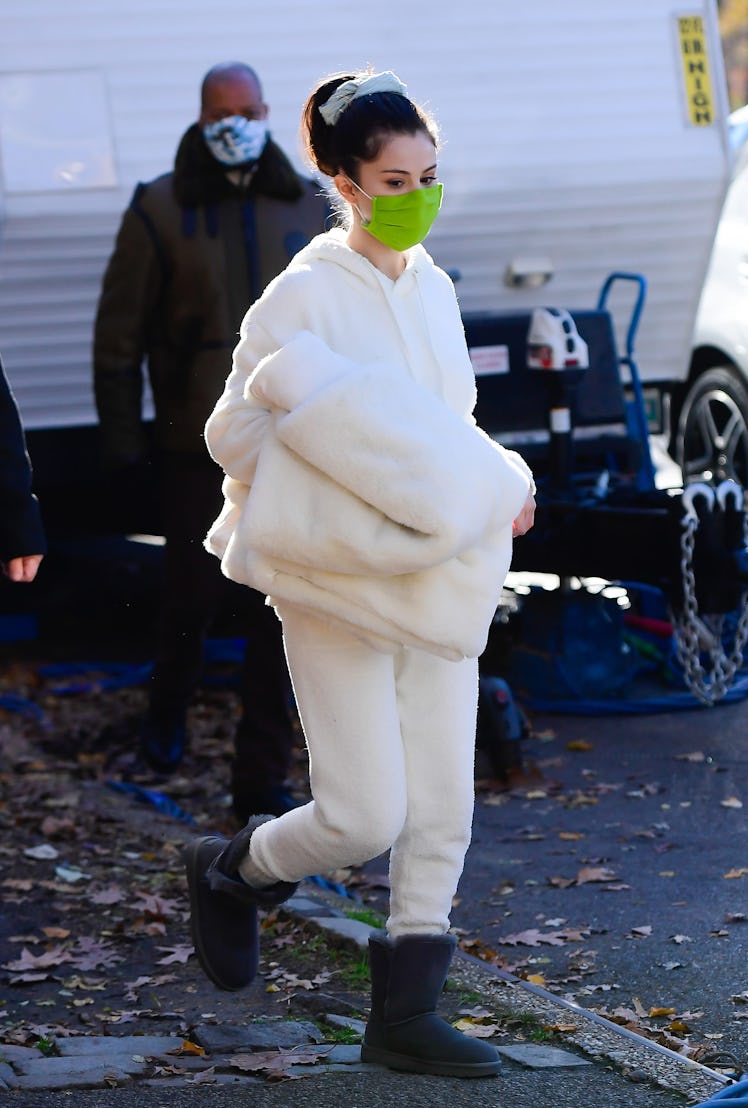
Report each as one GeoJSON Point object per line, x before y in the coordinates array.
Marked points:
{"type": "Point", "coordinates": [698, 82]}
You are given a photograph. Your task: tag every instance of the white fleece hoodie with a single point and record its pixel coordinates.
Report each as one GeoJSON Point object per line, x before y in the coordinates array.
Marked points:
{"type": "Point", "coordinates": [357, 483]}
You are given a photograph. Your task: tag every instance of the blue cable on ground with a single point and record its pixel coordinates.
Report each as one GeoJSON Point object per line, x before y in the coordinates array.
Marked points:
{"type": "Point", "coordinates": [333, 886]}
{"type": "Point", "coordinates": [121, 675]}
{"type": "Point", "coordinates": [160, 801]}
{"type": "Point", "coordinates": [21, 704]}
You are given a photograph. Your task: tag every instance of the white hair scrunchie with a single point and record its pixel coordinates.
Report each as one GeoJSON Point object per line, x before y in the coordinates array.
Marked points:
{"type": "Point", "coordinates": [344, 94]}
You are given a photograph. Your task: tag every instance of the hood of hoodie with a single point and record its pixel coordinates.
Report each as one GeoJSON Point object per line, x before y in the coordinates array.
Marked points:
{"type": "Point", "coordinates": [332, 248]}
{"type": "Point", "coordinates": [200, 179]}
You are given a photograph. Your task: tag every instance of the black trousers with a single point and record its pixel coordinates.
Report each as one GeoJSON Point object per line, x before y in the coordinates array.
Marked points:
{"type": "Point", "coordinates": [193, 591]}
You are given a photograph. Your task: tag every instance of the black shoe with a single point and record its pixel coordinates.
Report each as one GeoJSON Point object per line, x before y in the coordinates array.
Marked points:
{"type": "Point", "coordinates": [223, 908]}
{"type": "Point", "coordinates": [276, 800]}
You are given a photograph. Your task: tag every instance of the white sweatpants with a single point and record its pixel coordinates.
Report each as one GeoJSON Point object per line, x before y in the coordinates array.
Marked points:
{"type": "Point", "coordinates": [391, 741]}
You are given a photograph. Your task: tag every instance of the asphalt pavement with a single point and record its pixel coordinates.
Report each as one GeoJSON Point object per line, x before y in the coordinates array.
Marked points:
{"type": "Point", "coordinates": [603, 899]}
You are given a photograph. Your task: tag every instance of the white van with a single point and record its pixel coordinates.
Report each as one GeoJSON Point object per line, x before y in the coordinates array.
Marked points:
{"type": "Point", "coordinates": [710, 419]}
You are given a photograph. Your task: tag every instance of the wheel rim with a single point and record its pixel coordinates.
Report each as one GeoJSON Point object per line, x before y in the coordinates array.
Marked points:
{"type": "Point", "coordinates": [715, 440]}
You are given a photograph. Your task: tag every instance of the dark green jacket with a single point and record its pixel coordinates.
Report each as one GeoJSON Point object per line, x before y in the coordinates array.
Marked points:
{"type": "Point", "coordinates": [192, 253]}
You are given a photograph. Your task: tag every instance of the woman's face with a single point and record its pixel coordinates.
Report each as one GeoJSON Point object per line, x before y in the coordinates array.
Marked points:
{"type": "Point", "coordinates": [404, 163]}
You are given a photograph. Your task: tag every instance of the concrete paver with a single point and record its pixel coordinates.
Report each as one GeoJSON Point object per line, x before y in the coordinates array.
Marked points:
{"type": "Point", "coordinates": [542, 1057]}
{"type": "Point", "coordinates": [263, 1035]}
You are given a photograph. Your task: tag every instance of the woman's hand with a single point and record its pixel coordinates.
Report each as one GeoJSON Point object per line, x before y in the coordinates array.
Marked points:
{"type": "Point", "coordinates": [526, 517]}
{"type": "Point", "coordinates": [22, 569]}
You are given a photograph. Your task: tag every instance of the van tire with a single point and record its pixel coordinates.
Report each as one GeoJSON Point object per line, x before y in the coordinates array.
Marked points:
{"type": "Point", "coordinates": [711, 438]}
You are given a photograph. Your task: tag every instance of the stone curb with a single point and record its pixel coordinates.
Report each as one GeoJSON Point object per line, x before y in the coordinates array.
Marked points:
{"type": "Point", "coordinates": [157, 1060]}
{"type": "Point", "coordinates": [598, 1039]}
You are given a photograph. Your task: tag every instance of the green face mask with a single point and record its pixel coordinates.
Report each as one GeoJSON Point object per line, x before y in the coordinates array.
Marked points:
{"type": "Point", "coordinates": [402, 220]}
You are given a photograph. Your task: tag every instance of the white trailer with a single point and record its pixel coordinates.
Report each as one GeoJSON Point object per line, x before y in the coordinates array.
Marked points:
{"type": "Point", "coordinates": [579, 138]}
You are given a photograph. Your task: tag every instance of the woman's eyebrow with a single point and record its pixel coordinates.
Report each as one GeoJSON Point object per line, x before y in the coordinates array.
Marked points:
{"type": "Point", "coordinates": [406, 172]}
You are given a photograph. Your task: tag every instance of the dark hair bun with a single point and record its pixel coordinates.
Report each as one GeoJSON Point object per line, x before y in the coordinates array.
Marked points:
{"type": "Point", "coordinates": [361, 129]}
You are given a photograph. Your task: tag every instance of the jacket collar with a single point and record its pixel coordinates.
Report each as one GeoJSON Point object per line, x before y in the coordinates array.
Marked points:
{"type": "Point", "coordinates": [199, 179]}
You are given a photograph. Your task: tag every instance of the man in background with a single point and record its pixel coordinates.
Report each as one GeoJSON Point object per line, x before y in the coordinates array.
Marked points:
{"type": "Point", "coordinates": [195, 248]}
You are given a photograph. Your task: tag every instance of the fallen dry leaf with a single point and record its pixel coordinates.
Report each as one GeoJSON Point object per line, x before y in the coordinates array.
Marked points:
{"type": "Point", "coordinates": [477, 1030]}
{"type": "Point", "coordinates": [42, 853]}
{"type": "Point", "coordinates": [588, 874]}
{"type": "Point", "coordinates": [276, 1063]}
{"type": "Point", "coordinates": [180, 953]}
{"type": "Point", "coordinates": [155, 906]}
{"type": "Point", "coordinates": [111, 895]}
{"type": "Point", "coordinates": [29, 961]}
{"type": "Point", "coordinates": [89, 953]}
{"type": "Point", "coordinates": [534, 937]}
{"type": "Point", "coordinates": [205, 1077]}
{"type": "Point", "coordinates": [546, 736]}
{"type": "Point", "coordinates": [477, 1013]}
{"type": "Point", "coordinates": [188, 1047]}
{"type": "Point", "coordinates": [731, 802]}
{"type": "Point", "coordinates": [71, 874]}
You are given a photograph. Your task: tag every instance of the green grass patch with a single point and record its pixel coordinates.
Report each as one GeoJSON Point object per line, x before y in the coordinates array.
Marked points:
{"type": "Point", "coordinates": [355, 972]}
{"type": "Point", "coordinates": [366, 915]}
{"type": "Point", "coordinates": [347, 1036]}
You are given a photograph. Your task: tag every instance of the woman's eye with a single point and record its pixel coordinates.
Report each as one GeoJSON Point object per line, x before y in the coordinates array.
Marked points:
{"type": "Point", "coordinates": [395, 183]}
{"type": "Point", "coordinates": [427, 181]}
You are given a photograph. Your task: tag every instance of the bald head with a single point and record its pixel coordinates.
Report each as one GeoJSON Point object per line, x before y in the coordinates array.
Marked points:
{"type": "Point", "coordinates": [231, 88]}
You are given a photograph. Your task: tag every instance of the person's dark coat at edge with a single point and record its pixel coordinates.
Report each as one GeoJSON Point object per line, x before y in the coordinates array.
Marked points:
{"type": "Point", "coordinates": [22, 538]}
{"type": "Point", "coordinates": [195, 248]}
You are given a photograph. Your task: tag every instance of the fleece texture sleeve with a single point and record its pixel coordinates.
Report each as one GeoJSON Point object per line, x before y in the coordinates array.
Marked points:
{"type": "Point", "coordinates": [384, 461]}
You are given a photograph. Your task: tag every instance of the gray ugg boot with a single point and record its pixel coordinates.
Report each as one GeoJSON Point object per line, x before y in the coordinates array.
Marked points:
{"type": "Point", "coordinates": [404, 1032]}
{"type": "Point", "coordinates": [223, 908]}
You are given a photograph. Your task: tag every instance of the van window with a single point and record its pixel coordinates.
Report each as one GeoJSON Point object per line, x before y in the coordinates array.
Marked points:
{"type": "Point", "coordinates": [55, 132]}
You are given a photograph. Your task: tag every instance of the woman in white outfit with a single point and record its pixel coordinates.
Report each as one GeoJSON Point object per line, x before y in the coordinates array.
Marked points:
{"type": "Point", "coordinates": [363, 500]}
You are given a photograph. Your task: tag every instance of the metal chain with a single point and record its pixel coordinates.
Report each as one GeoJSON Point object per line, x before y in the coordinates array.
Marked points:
{"type": "Point", "coordinates": [695, 636]}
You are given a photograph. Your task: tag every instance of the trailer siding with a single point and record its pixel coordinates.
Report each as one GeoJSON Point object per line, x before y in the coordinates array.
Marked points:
{"type": "Point", "coordinates": [564, 129]}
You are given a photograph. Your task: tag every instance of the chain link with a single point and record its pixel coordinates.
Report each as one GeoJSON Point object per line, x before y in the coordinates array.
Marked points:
{"type": "Point", "coordinates": [695, 636]}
